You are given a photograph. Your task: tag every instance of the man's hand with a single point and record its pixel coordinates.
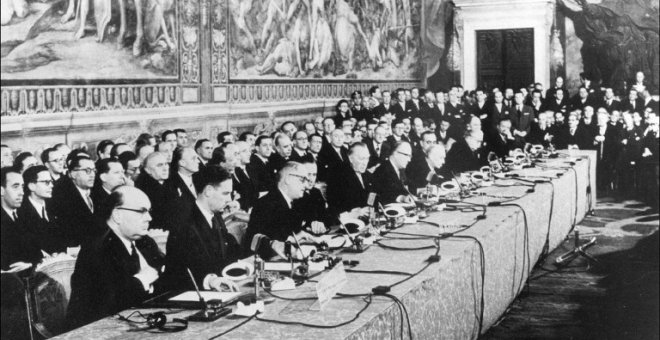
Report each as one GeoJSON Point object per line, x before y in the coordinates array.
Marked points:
{"type": "Point", "coordinates": [17, 267]}
{"type": "Point", "coordinates": [147, 276]}
{"type": "Point", "coordinates": [318, 227]}
{"type": "Point", "coordinates": [223, 284]}
{"type": "Point", "coordinates": [647, 153]}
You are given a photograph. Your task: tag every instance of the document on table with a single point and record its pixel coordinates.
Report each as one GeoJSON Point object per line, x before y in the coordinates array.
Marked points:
{"type": "Point", "coordinates": [191, 296]}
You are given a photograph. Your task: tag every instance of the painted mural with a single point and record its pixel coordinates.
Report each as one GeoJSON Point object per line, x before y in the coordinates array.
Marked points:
{"type": "Point", "coordinates": [329, 39]}
{"type": "Point", "coordinates": [89, 39]}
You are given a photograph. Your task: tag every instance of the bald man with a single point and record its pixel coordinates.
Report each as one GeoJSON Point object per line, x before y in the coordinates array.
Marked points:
{"type": "Point", "coordinates": [333, 156]}
{"type": "Point", "coordinates": [152, 183]}
{"type": "Point", "coordinates": [349, 188]}
{"type": "Point", "coordinates": [120, 268]}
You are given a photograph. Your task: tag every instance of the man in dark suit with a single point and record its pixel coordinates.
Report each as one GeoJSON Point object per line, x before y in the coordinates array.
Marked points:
{"type": "Point", "coordinates": [540, 132]}
{"type": "Point", "coordinates": [152, 183]}
{"type": "Point", "coordinates": [398, 129]}
{"type": "Point", "coordinates": [425, 166]}
{"type": "Point", "coordinates": [109, 175]}
{"type": "Point", "coordinates": [573, 135]}
{"type": "Point", "coordinates": [312, 207]}
{"type": "Point", "coordinates": [16, 254]}
{"type": "Point", "coordinates": [300, 145]}
{"type": "Point", "coordinates": [73, 205]}
{"type": "Point", "coordinates": [349, 188]}
{"type": "Point", "coordinates": [581, 99]}
{"type": "Point", "coordinates": [202, 243]}
{"type": "Point", "coordinates": [333, 156]}
{"type": "Point", "coordinates": [498, 112]}
{"type": "Point", "coordinates": [273, 216]}
{"type": "Point", "coordinates": [180, 187]}
{"type": "Point", "coordinates": [40, 228]}
{"type": "Point", "coordinates": [54, 161]}
{"type": "Point", "coordinates": [558, 102]}
{"type": "Point", "coordinates": [559, 85]}
{"type": "Point", "coordinates": [633, 103]}
{"type": "Point", "coordinates": [283, 149]}
{"type": "Point", "coordinates": [204, 150]}
{"type": "Point", "coordinates": [389, 179]}
{"type": "Point", "coordinates": [385, 107]}
{"type": "Point", "coordinates": [119, 268]}
{"type": "Point", "coordinates": [609, 102]}
{"type": "Point", "coordinates": [466, 154]}
{"type": "Point", "coordinates": [606, 143]}
{"type": "Point", "coordinates": [502, 141]}
{"type": "Point", "coordinates": [522, 120]}
{"type": "Point", "coordinates": [414, 103]}
{"type": "Point", "coordinates": [259, 164]}
{"type": "Point", "coordinates": [242, 178]}
{"type": "Point", "coordinates": [378, 147]}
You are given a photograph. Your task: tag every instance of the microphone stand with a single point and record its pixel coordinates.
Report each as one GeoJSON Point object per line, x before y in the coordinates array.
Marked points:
{"type": "Point", "coordinates": [213, 310]}
{"type": "Point", "coordinates": [578, 250]}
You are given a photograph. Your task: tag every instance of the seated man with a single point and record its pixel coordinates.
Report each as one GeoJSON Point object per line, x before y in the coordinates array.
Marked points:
{"type": "Point", "coordinates": [573, 135]}
{"type": "Point", "coordinates": [312, 207]}
{"type": "Point", "coordinates": [333, 156]}
{"type": "Point", "coordinates": [349, 189]}
{"type": "Point", "coordinates": [152, 183]}
{"type": "Point", "coordinates": [15, 256]}
{"type": "Point", "coordinates": [73, 205]}
{"type": "Point", "coordinates": [201, 242]}
{"type": "Point", "coordinates": [300, 146]}
{"type": "Point", "coordinates": [502, 141]}
{"type": "Point", "coordinates": [273, 216]}
{"type": "Point", "coordinates": [389, 179]}
{"type": "Point", "coordinates": [283, 149]}
{"type": "Point", "coordinates": [467, 154]}
{"type": "Point", "coordinates": [120, 268]}
{"type": "Point", "coordinates": [421, 173]}
{"type": "Point", "coordinates": [378, 147]}
{"type": "Point", "coordinates": [40, 229]}
{"type": "Point", "coordinates": [109, 175]}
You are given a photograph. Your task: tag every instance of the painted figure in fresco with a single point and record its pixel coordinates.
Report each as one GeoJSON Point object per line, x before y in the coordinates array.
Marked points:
{"type": "Point", "coordinates": [11, 7]}
{"type": "Point", "coordinates": [345, 28]}
{"type": "Point", "coordinates": [322, 47]}
{"type": "Point", "coordinates": [275, 17]}
{"type": "Point", "coordinates": [239, 10]}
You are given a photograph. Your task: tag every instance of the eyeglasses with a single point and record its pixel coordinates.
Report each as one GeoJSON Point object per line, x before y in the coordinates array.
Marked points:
{"type": "Point", "coordinates": [301, 138]}
{"type": "Point", "coordinates": [139, 211]}
{"type": "Point", "coordinates": [88, 171]}
{"type": "Point", "coordinates": [46, 181]}
{"type": "Point", "coordinates": [405, 154]}
{"type": "Point", "coordinates": [303, 179]}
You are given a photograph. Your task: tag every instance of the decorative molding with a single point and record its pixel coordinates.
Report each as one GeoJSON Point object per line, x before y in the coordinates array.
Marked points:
{"type": "Point", "coordinates": [219, 58]}
{"type": "Point", "coordinates": [190, 26]}
{"type": "Point", "coordinates": [51, 99]}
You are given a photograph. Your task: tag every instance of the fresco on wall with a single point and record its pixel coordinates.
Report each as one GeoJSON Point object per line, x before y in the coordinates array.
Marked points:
{"type": "Point", "coordinates": [329, 39]}
{"type": "Point", "coordinates": [46, 39]}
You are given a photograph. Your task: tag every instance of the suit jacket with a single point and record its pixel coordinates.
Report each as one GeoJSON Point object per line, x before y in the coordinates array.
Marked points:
{"type": "Point", "coordinates": [627, 105]}
{"type": "Point", "coordinates": [345, 192]}
{"type": "Point", "coordinates": [202, 248]}
{"type": "Point", "coordinates": [180, 199]}
{"type": "Point", "coordinates": [401, 112]}
{"type": "Point", "coordinates": [554, 106]}
{"type": "Point", "coordinates": [522, 120]}
{"type": "Point", "coordinates": [17, 244]}
{"type": "Point", "coordinates": [295, 157]}
{"type": "Point", "coordinates": [497, 115]}
{"type": "Point", "coordinates": [414, 108]}
{"type": "Point", "coordinates": [103, 281]}
{"type": "Point", "coordinates": [313, 207]}
{"type": "Point", "coordinates": [461, 158]}
{"type": "Point", "coordinates": [77, 222]}
{"type": "Point", "coordinates": [499, 146]}
{"type": "Point", "coordinates": [339, 119]}
{"type": "Point", "coordinates": [245, 187]}
{"type": "Point", "coordinates": [577, 104]}
{"type": "Point", "coordinates": [381, 110]}
{"type": "Point", "coordinates": [581, 138]}
{"type": "Point", "coordinates": [263, 178]}
{"type": "Point", "coordinates": [417, 171]}
{"type": "Point", "coordinates": [427, 112]}
{"type": "Point", "coordinates": [272, 217]}
{"type": "Point", "coordinates": [614, 105]}
{"type": "Point", "coordinates": [387, 183]}
{"type": "Point", "coordinates": [43, 234]}
{"type": "Point", "coordinates": [377, 158]}
{"type": "Point", "coordinates": [158, 194]}
{"type": "Point", "coordinates": [537, 136]}
{"type": "Point", "coordinates": [101, 199]}
{"type": "Point", "coordinates": [276, 163]}
{"type": "Point", "coordinates": [329, 161]}
{"type": "Point", "coordinates": [610, 146]}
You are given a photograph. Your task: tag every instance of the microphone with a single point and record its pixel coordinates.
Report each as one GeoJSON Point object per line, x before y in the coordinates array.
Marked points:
{"type": "Point", "coordinates": [371, 199]}
{"type": "Point", "coordinates": [570, 255]}
{"type": "Point", "coordinates": [212, 310]}
{"type": "Point", "coordinates": [257, 240]}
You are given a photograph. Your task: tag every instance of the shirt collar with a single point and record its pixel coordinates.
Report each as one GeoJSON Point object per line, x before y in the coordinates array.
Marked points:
{"type": "Point", "coordinates": [10, 213]}
{"type": "Point", "coordinates": [83, 192]}
{"type": "Point", "coordinates": [186, 178]}
{"type": "Point", "coordinates": [265, 160]}
{"type": "Point", "coordinates": [286, 198]}
{"type": "Point", "coordinates": [126, 242]}
{"type": "Point", "coordinates": [37, 205]}
{"type": "Point", "coordinates": [208, 215]}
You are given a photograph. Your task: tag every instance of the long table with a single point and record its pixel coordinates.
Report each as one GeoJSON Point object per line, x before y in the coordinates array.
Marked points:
{"type": "Point", "coordinates": [481, 271]}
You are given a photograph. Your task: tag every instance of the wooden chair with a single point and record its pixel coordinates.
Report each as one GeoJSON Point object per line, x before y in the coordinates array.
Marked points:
{"type": "Point", "coordinates": [50, 290]}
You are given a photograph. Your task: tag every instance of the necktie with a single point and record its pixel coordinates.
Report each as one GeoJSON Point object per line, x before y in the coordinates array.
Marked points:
{"type": "Point", "coordinates": [135, 259]}
{"type": "Point", "coordinates": [572, 132]}
{"type": "Point", "coordinates": [14, 216]}
{"type": "Point", "coordinates": [244, 171]}
{"type": "Point", "coordinates": [43, 213]}
{"type": "Point", "coordinates": [360, 179]}
{"type": "Point", "coordinates": [90, 204]}
{"type": "Point", "coordinates": [378, 150]}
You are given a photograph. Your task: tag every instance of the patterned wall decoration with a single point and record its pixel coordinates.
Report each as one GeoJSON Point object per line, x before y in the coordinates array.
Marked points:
{"type": "Point", "coordinates": [51, 63]}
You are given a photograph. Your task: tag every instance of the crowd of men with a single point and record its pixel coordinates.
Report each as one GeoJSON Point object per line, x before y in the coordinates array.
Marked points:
{"type": "Point", "coordinates": [295, 181]}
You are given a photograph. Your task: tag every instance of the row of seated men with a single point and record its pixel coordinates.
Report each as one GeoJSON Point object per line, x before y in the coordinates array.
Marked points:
{"type": "Point", "coordinates": [270, 181]}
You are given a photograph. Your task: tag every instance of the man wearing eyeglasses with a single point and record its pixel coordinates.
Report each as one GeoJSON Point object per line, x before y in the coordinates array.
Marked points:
{"type": "Point", "coordinates": [40, 229]}
{"type": "Point", "coordinates": [73, 204]}
{"type": "Point", "coordinates": [54, 161]}
{"type": "Point", "coordinates": [119, 268]}
{"type": "Point", "coordinates": [300, 145]}
{"type": "Point", "coordinates": [390, 178]}
{"type": "Point", "coordinates": [273, 216]}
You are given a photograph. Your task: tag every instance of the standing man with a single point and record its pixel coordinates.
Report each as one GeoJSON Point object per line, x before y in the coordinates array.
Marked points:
{"type": "Point", "coordinates": [152, 182]}
{"type": "Point", "coordinates": [204, 150]}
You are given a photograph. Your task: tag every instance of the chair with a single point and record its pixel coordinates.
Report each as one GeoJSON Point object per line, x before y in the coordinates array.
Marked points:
{"type": "Point", "coordinates": [160, 237]}
{"type": "Point", "coordinates": [50, 290]}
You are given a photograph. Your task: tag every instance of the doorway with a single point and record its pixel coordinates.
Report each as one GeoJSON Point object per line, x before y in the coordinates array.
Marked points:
{"type": "Point", "coordinates": [505, 58]}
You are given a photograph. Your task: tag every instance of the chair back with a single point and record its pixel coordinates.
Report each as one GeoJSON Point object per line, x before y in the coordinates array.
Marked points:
{"type": "Point", "coordinates": [50, 293]}
{"type": "Point", "coordinates": [160, 237]}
